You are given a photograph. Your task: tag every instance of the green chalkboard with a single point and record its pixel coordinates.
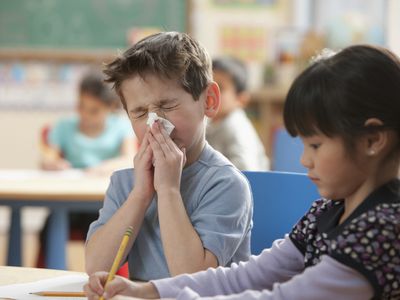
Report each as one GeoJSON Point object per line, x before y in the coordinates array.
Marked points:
{"type": "Point", "coordinates": [87, 24]}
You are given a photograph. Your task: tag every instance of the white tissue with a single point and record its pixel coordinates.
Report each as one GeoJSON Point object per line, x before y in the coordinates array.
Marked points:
{"type": "Point", "coordinates": [168, 126]}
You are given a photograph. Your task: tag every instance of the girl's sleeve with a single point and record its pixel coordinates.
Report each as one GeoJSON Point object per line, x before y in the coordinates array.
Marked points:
{"type": "Point", "coordinates": [278, 264]}
{"type": "Point", "coordinates": [327, 280]}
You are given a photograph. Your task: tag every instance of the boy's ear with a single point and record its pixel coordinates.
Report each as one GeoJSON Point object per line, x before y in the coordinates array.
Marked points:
{"type": "Point", "coordinates": [376, 140]}
{"type": "Point", "coordinates": [213, 100]}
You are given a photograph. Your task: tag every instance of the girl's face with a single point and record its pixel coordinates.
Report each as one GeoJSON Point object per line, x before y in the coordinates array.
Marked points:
{"type": "Point", "coordinates": [92, 112]}
{"type": "Point", "coordinates": [337, 173]}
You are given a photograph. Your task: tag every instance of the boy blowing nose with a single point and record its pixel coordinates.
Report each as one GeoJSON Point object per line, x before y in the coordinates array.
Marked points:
{"type": "Point", "coordinates": [189, 207]}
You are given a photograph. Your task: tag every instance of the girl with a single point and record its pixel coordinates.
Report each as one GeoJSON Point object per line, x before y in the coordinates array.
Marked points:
{"type": "Point", "coordinates": [96, 139]}
{"type": "Point", "coordinates": [346, 109]}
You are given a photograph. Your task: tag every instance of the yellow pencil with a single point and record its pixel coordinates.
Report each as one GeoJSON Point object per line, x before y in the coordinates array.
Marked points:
{"type": "Point", "coordinates": [118, 258]}
{"type": "Point", "coordinates": [59, 294]}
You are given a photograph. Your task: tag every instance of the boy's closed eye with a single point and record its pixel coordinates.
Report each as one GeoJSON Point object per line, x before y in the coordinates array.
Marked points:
{"type": "Point", "coordinates": [138, 113]}
{"type": "Point", "coordinates": [169, 106]}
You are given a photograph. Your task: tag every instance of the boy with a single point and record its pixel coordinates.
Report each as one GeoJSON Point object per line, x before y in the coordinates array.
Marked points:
{"type": "Point", "coordinates": [231, 131]}
{"type": "Point", "coordinates": [183, 220]}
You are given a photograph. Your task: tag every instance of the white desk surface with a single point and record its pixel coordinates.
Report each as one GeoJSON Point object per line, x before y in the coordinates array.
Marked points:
{"type": "Point", "coordinates": [17, 275]}
{"type": "Point", "coordinates": [54, 185]}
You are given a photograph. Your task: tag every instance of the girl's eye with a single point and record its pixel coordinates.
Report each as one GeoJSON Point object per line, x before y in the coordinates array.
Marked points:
{"type": "Point", "coordinates": [315, 146]}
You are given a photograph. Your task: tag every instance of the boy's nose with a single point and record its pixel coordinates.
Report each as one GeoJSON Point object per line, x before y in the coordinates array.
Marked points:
{"type": "Point", "coordinates": [159, 112]}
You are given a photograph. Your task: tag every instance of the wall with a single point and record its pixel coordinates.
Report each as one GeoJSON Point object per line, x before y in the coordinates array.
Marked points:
{"type": "Point", "coordinates": [20, 136]}
{"type": "Point", "coordinates": [245, 30]}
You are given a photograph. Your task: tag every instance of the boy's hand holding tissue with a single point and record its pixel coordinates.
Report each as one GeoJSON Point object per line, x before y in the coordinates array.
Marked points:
{"type": "Point", "coordinates": [168, 159]}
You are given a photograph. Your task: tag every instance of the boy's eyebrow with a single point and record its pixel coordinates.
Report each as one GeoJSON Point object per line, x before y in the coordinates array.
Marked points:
{"type": "Point", "coordinates": [166, 101]}
{"type": "Point", "coordinates": [159, 102]}
{"type": "Point", "coordinates": [137, 109]}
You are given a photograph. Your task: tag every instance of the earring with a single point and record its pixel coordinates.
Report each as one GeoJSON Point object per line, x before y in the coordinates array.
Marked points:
{"type": "Point", "coordinates": [371, 152]}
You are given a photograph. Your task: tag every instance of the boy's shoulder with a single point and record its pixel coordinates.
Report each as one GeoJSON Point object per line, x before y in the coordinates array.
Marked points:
{"type": "Point", "coordinates": [214, 159]}
{"type": "Point", "coordinates": [213, 166]}
{"type": "Point", "coordinates": [122, 180]}
{"type": "Point", "coordinates": [123, 174]}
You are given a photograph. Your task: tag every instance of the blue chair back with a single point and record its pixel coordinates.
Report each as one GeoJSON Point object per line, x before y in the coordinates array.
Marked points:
{"type": "Point", "coordinates": [287, 152]}
{"type": "Point", "coordinates": [280, 200]}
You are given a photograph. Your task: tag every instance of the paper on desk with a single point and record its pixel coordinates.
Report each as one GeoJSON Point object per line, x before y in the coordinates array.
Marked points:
{"type": "Point", "coordinates": [21, 174]}
{"type": "Point", "coordinates": [67, 283]}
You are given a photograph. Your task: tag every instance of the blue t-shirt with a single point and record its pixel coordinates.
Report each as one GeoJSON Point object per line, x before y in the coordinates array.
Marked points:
{"type": "Point", "coordinates": [83, 151]}
{"type": "Point", "coordinates": [218, 201]}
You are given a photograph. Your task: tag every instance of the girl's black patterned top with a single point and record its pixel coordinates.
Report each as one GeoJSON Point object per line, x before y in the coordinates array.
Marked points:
{"type": "Point", "coordinates": [367, 241]}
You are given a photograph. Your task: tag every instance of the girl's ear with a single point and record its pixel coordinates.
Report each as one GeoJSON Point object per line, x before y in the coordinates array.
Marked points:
{"type": "Point", "coordinates": [213, 100]}
{"type": "Point", "coordinates": [376, 140]}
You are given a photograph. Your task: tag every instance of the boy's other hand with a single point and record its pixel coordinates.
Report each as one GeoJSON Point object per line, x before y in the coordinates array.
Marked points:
{"type": "Point", "coordinates": [168, 159]}
{"type": "Point", "coordinates": [117, 288]}
{"type": "Point", "coordinates": [144, 171]}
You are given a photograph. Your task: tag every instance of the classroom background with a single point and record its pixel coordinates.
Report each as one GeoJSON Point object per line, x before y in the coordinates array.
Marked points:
{"type": "Point", "coordinates": [46, 46]}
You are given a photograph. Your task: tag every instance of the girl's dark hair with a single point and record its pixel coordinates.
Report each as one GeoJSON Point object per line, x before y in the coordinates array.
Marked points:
{"type": "Point", "coordinates": [235, 68]}
{"type": "Point", "coordinates": [171, 55]}
{"type": "Point", "coordinates": [337, 94]}
{"type": "Point", "coordinates": [93, 84]}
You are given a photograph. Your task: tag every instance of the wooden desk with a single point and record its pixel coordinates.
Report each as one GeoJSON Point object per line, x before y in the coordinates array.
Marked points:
{"type": "Point", "coordinates": [270, 101]}
{"type": "Point", "coordinates": [61, 192]}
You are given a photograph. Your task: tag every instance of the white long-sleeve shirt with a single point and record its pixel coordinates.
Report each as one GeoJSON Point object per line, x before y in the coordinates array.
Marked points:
{"type": "Point", "coordinates": [277, 273]}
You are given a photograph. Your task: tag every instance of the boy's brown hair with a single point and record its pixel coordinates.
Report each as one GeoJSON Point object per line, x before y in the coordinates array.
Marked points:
{"type": "Point", "coordinates": [170, 55]}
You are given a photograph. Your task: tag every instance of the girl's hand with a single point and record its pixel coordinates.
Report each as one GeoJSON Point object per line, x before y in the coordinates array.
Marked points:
{"type": "Point", "coordinates": [144, 171]}
{"type": "Point", "coordinates": [59, 164]}
{"type": "Point", "coordinates": [168, 159]}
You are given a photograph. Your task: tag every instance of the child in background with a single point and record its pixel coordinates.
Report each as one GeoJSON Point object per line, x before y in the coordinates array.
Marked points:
{"type": "Point", "coordinates": [189, 207]}
{"type": "Point", "coordinates": [345, 107]}
{"type": "Point", "coordinates": [230, 131]}
{"type": "Point", "coordinates": [97, 140]}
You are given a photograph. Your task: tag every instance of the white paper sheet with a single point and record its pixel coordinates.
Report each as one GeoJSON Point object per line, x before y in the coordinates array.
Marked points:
{"type": "Point", "coordinates": [68, 283]}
